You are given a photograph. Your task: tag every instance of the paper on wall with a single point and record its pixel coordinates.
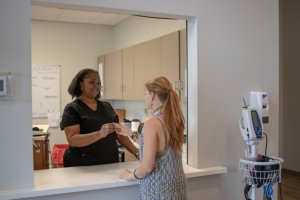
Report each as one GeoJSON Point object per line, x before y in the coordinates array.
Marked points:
{"type": "Point", "coordinates": [53, 119]}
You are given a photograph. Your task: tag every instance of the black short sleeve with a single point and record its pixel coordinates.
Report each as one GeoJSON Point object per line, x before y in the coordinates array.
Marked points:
{"type": "Point", "coordinates": [70, 117]}
{"type": "Point", "coordinates": [101, 151]}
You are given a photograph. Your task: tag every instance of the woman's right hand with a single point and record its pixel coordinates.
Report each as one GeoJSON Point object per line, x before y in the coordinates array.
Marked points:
{"type": "Point", "coordinates": [126, 174]}
{"type": "Point", "coordinates": [122, 129]}
{"type": "Point", "coordinates": [106, 129]}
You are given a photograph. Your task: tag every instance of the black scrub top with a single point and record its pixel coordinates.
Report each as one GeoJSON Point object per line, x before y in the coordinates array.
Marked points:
{"type": "Point", "coordinates": [104, 150]}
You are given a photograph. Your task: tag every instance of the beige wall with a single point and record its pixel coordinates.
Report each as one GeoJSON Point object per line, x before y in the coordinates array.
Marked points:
{"type": "Point", "coordinates": [290, 29]}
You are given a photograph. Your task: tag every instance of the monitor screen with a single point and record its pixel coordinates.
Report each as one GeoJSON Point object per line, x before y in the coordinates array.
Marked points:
{"type": "Point", "coordinates": [255, 119]}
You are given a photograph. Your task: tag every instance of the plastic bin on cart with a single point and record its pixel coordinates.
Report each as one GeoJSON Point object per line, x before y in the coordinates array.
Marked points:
{"type": "Point", "coordinates": [57, 155]}
{"type": "Point", "coordinates": [262, 173]}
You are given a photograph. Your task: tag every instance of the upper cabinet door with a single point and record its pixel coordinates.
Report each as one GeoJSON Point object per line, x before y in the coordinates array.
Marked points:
{"type": "Point", "coordinates": [147, 65]}
{"type": "Point", "coordinates": [170, 59]}
{"type": "Point", "coordinates": [126, 71]}
{"type": "Point", "coordinates": [113, 75]}
{"type": "Point", "coordinates": [128, 74]}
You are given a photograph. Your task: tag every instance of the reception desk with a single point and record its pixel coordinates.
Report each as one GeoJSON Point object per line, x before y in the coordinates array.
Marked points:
{"type": "Point", "coordinates": [102, 182]}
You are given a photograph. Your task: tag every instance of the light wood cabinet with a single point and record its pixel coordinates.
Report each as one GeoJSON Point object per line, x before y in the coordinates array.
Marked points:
{"type": "Point", "coordinates": [113, 75]}
{"type": "Point", "coordinates": [147, 65]}
{"type": "Point", "coordinates": [127, 70]}
{"type": "Point", "coordinates": [170, 59]}
{"type": "Point", "coordinates": [128, 74]}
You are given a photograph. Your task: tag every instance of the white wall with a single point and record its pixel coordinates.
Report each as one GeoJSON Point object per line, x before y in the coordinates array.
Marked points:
{"type": "Point", "coordinates": [135, 30]}
{"type": "Point", "coordinates": [290, 16]}
{"type": "Point", "coordinates": [16, 157]}
{"type": "Point", "coordinates": [236, 52]}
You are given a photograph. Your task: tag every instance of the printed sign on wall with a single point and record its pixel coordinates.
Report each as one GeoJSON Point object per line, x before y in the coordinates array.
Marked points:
{"type": "Point", "coordinates": [45, 90]}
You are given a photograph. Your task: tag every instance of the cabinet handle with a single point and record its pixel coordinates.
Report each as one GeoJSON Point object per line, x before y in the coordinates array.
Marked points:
{"type": "Point", "coordinates": [181, 85]}
{"type": "Point", "coordinates": [102, 91]}
{"type": "Point", "coordinates": [176, 85]}
{"type": "Point", "coordinates": [36, 146]}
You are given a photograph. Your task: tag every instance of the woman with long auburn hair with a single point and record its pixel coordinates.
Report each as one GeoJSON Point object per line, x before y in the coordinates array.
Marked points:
{"type": "Point", "coordinates": [160, 170]}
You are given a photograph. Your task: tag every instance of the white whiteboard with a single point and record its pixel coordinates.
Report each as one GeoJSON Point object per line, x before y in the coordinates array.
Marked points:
{"type": "Point", "coordinates": [45, 90]}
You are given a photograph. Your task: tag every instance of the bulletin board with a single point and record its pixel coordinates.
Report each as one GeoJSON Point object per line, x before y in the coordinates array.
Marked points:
{"type": "Point", "coordinates": [45, 90]}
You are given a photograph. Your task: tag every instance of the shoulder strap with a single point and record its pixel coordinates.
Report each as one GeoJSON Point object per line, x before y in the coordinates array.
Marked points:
{"type": "Point", "coordinates": [164, 129]}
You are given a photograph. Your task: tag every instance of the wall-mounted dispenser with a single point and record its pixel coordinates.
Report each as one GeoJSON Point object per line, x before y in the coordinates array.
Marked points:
{"type": "Point", "coordinates": [260, 101]}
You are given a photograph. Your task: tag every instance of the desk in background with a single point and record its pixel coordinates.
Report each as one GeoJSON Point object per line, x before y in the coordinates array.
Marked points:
{"type": "Point", "coordinates": [41, 151]}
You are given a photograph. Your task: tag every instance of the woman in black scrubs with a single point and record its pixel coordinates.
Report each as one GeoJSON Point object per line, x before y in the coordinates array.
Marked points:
{"type": "Point", "coordinates": [88, 124]}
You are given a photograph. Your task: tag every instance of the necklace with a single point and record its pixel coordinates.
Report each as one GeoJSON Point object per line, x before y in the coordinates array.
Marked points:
{"type": "Point", "coordinates": [87, 101]}
{"type": "Point", "coordinates": [157, 110]}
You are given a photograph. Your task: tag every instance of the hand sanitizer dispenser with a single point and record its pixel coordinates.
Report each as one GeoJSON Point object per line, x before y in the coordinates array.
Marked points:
{"type": "Point", "coordinates": [260, 102]}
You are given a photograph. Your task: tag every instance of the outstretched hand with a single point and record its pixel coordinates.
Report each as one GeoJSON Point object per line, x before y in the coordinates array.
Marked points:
{"type": "Point", "coordinates": [122, 129]}
{"type": "Point", "coordinates": [107, 129]}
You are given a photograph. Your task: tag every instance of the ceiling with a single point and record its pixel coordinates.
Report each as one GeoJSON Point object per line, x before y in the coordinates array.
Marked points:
{"type": "Point", "coordinates": [78, 16]}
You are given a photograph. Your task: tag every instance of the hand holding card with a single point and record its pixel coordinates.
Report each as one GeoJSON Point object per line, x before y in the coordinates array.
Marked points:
{"type": "Point", "coordinates": [122, 129]}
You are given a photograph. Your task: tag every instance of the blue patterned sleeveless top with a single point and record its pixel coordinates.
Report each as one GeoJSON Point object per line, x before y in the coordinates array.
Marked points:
{"type": "Point", "coordinates": [167, 180]}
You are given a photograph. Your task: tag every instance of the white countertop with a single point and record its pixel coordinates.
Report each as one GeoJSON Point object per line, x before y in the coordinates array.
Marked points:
{"type": "Point", "coordinates": [76, 179]}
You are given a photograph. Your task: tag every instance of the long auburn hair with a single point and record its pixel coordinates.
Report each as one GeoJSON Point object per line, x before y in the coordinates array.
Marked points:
{"type": "Point", "coordinates": [172, 114]}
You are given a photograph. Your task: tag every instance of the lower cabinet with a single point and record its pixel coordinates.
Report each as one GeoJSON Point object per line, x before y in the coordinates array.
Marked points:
{"type": "Point", "coordinates": [40, 152]}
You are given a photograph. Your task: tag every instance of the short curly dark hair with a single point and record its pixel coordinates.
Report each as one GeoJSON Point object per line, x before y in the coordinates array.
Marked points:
{"type": "Point", "coordinates": [74, 87]}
